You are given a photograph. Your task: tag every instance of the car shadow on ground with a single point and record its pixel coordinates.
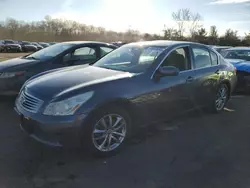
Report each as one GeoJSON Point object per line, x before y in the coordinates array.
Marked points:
{"type": "Point", "coordinates": [189, 135]}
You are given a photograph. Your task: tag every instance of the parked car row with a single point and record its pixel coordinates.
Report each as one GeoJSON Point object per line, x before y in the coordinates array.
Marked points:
{"type": "Point", "coordinates": [22, 46]}
{"type": "Point", "coordinates": [96, 95]}
{"type": "Point", "coordinates": [220, 49]}
{"type": "Point", "coordinates": [240, 58]}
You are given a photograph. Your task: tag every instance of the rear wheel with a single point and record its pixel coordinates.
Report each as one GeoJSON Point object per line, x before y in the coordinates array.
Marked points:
{"type": "Point", "coordinates": [220, 99]}
{"type": "Point", "coordinates": [107, 131]}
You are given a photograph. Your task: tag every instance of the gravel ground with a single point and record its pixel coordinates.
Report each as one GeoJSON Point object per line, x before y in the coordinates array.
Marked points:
{"type": "Point", "coordinates": [6, 56]}
{"type": "Point", "coordinates": [198, 150]}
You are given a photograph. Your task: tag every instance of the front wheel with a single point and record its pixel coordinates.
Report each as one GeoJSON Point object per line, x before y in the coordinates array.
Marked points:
{"type": "Point", "coordinates": [106, 131]}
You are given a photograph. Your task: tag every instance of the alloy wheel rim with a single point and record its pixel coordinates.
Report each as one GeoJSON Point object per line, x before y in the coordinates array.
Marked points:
{"type": "Point", "coordinates": [109, 132]}
{"type": "Point", "coordinates": [221, 98]}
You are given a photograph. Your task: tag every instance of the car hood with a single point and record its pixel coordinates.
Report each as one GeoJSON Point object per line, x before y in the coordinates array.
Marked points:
{"type": "Point", "coordinates": [240, 64]}
{"type": "Point", "coordinates": [70, 79]}
{"type": "Point", "coordinates": [16, 62]}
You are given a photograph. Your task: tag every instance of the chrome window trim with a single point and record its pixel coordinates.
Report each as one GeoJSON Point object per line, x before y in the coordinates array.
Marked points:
{"type": "Point", "coordinates": [181, 46]}
{"type": "Point", "coordinates": [216, 56]}
{"type": "Point", "coordinates": [205, 67]}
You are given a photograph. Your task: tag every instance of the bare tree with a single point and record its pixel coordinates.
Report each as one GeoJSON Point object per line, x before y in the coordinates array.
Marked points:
{"type": "Point", "coordinates": [186, 20]}
{"type": "Point", "coordinates": [180, 17]}
{"type": "Point", "coordinates": [213, 31]}
{"type": "Point", "coordinates": [231, 33]}
{"type": "Point", "coordinates": [58, 30]}
{"type": "Point", "coordinates": [213, 37]}
{"type": "Point", "coordinates": [247, 39]}
{"type": "Point", "coordinates": [195, 23]}
{"type": "Point", "coordinates": [200, 35]}
{"type": "Point", "coordinates": [171, 34]}
{"type": "Point", "coordinates": [12, 25]}
{"type": "Point", "coordinates": [230, 38]}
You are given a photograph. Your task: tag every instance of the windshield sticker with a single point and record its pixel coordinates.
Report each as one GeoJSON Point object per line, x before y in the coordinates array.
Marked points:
{"type": "Point", "coordinates": [153, 50]}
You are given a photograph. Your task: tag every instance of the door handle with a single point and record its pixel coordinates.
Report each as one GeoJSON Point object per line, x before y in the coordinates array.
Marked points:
{"type": "Point", "coordinates": [190, 79]}
{"type": "Point", "coordinates": [217, 71]}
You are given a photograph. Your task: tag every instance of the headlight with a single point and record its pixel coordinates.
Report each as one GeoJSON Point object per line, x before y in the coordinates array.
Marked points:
{"type": "Point", "coordinates": [67, 106]}
{"type": "Point", "coordinates": [11, 74]}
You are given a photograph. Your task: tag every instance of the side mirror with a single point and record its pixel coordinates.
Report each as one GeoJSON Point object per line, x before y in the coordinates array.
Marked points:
{"type": "Point", "coordinates": [168, 71]}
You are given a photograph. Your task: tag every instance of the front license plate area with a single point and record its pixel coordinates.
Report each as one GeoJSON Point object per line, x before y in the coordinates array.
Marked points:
{"type": "Point", "coordinates": [26, 124]}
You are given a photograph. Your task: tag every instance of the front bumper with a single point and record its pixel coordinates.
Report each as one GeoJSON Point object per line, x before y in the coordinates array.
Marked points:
{"type": "Point", "coordinates": [53, 131]}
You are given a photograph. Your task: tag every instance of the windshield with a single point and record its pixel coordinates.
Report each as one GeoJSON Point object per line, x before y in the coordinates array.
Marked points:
{"type": "Point", "coordinates": [133, 59]}
{"type": "Point", "coordinates": [50, 52]}
{"type": "Point", "coordinates": [237, 54]}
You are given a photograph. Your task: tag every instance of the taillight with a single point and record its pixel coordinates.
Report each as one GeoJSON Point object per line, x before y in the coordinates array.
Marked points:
{"type": "Point", "coordinates": [235, 70]}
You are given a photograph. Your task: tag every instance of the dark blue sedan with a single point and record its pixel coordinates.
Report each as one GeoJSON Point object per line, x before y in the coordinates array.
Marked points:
{"type": "Point", "coordinates": [14, 72]}
{"type": "Point", "coordinates": [99, 106]}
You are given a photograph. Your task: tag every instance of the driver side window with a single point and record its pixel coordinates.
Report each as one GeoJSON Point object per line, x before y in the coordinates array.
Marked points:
{"type": "Point", "coordinates": [178, 58]}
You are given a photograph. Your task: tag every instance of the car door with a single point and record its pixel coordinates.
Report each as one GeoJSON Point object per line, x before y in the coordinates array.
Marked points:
{"type": "Point", "coordinates": [207, 73]}
{"type": "Point", "coordinates": [175, 92]}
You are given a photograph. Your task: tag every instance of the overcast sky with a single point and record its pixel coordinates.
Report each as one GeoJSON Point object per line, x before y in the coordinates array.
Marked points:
{"type": "Point", "coordinates": [144, 15]}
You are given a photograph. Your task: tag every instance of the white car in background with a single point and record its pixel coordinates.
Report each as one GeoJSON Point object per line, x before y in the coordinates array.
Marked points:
{"type": "Point", "coordinates": [220, 49]}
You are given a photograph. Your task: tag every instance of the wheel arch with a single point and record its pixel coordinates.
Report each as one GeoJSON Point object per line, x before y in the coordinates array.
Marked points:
{"type": "Point", "coordinates": [125, 104]}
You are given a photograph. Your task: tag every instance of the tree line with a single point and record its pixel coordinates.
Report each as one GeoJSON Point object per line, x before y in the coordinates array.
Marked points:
{"type": "Point", "coordinates": [188, 27]}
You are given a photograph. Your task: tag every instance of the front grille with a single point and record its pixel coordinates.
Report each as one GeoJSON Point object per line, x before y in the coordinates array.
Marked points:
{"type": "Point", "coordinates": [29, 102]}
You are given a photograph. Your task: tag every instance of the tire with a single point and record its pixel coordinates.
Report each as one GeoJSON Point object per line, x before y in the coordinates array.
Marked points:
{"type": "Point", "coordinates": [96, 142]}
{"type": "Point", "coordinates": [217, 106]}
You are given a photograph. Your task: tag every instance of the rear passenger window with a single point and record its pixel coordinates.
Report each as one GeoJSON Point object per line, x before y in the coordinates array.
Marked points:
{"type": "Point", "coordinates": [202, 58]}
{"type": "Point", "coordinates": [85, 53]}
{"type": "Point", "coordinates": [214, 58]}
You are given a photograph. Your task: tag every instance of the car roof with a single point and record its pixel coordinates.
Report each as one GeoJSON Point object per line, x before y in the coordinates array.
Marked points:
{"type": "Point", "coordinates": [222, 46]}
{"type": "Point", "coordinates": [162, 43]}
{"type": "Point", "coordinates": [239, 48]}
{"type": "Point", "coordinates": [86, 42]}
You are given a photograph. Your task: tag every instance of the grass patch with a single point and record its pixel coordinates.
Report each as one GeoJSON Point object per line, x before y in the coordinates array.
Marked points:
{"type": "Point", "coordinates": [6, 56]}
{"type": "Point", "coordinates": [3, 59]}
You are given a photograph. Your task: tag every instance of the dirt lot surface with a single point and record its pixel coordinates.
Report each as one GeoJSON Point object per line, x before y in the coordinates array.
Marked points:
{"type": "Point", "coordinates": [199, 150]}
{"type": "Point", "coordinates": [5, 56]}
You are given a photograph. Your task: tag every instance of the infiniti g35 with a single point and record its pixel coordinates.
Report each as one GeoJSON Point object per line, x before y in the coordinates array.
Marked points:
{"type": "Point", "coordinates": [99, 106]}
